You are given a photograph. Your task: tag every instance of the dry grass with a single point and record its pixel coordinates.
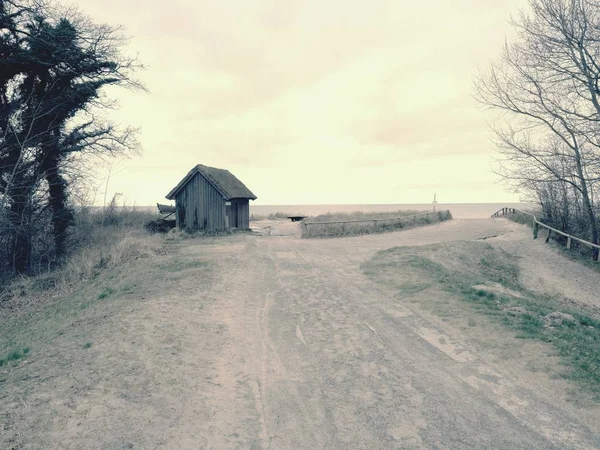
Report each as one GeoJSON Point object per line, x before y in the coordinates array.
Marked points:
{"type": "Point", "coordinates": [98, 242]}
{"type": "Point", "coordinates": [360, 215]}
{"type": "Point", "coordinates": [276, 216]}
{"type": "Point", "coordinates": [325, 226]}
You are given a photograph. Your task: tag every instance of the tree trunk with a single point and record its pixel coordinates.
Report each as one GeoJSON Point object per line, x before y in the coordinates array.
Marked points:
{"type": "Point", "coordinates": [61, 215]}
{"type": "Point", "coordinates": [593, 225]}
{"type": "Point", "coordinates": [21, 241]}
{"type": "Point", "coordinates": [587, 206]}
{"type": "Point", "coordinates": [57, 199]}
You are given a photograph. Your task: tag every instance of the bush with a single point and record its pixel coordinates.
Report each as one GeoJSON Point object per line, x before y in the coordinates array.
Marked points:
{"type": "Point", "coordinates": [89, 226]}
{"type": "Point", "coordinates": [94, 244]}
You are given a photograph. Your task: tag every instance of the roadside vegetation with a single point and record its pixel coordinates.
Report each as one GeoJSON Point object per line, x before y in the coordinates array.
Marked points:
{"type": "Point", "coordinates": [55, 67]}
{"type": "Point", "coordinates": [100, 242]}
{"type": "Point", "coordinates": [578, 252]}
{"type": "Point", "coordinates": [545, 89]}
{"type": "Point", "coordinates": [524, 219]}
{"type": "Point", "coordinates": [363, 215]}
{"type": "Point", "coordinates": [114, 259]}
{"type": "Point", "coordinates": [64, 330]}
{"type": "Point", "coordinates": [357, 223]}
{"type": "Point", "coordinates": [98, 238]}
{"type": "Point", "coordinates": [489, 291]}
{"type": "Point", "coordinates": [273, 216]}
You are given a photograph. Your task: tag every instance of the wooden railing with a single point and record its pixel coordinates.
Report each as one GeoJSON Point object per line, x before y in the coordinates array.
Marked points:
{"type": "Point", "coordinates": [536, 224]}
{"type": "Point", "coordinates": [373, 221]}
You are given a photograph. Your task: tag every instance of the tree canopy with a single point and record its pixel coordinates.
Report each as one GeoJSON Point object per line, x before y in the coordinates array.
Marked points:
{"type": "Point", "coordinates": [53, 68]}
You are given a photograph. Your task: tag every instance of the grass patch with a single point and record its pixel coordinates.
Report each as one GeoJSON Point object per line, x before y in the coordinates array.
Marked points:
{"type": "Point", "coordinates": [106, 293]}
{"type": "Point", "coordinates": [325, 226]}
{"type": "Point", "coordinates": [572, 331]}
{"type": "Point", "coordinates": [14, 355]}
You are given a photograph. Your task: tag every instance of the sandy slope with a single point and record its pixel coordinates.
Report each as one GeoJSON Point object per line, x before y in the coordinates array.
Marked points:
{"type": "Point", "coordinates": [287, 345]}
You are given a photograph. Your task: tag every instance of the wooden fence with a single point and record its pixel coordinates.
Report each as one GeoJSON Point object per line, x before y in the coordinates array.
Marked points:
{"type": "Point", "coordinates": [537, 224]}
{"type": "Point", "coordinates": [373, 221]}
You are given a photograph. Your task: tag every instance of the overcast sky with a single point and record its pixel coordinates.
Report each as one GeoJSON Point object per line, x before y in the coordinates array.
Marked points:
{"type": "Point", "coordinates": [312, 101]}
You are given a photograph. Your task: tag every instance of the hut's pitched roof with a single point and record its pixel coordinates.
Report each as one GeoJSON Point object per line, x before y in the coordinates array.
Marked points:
{"type": "Point", "coordinates": [223, 180]}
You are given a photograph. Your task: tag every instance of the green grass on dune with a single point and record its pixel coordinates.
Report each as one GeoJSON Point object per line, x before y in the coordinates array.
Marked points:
{"type": "Point", "coordinates": [526, 314]}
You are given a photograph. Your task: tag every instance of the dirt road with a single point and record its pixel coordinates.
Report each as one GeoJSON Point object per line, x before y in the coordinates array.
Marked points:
{"type": "Point", "coordinates": [314, 355]}
{"type": "Point", "coordinates": [290, 346]}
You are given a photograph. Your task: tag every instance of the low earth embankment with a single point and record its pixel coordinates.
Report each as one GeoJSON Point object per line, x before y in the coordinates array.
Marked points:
{"type": "Point", "coordinates": [358, 223]}
{"type": "Point", "coordinates": [479, 288]}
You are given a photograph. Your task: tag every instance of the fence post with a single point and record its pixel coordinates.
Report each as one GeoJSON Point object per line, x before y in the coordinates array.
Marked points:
{"type": "Point", "coordinates": [548, 235]}
{"type": "Point", "coordinates": [569, 242]}
{"type": "Point", "coordinates": [308, 230]}
{"type": "Point", "coordinates": [536, 228]}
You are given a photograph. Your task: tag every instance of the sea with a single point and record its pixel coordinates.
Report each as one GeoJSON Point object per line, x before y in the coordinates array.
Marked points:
{"type": "Point", "coordinates": [458, 210]}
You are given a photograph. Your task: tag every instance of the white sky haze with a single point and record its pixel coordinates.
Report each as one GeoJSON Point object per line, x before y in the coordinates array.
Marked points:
{"type": "Point", "coordinates": [312, 101]}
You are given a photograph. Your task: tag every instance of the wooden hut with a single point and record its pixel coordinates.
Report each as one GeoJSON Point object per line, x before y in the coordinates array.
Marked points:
{"type": "Point", "coordinates": [211, 199]}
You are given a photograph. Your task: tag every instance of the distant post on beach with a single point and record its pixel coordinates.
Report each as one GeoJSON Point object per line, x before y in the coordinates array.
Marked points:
{"type": "Point", "coordinates": [434, 201]}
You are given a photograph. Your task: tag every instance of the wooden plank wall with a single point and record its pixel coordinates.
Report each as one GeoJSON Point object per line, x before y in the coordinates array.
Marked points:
{"type": "Point", "coordinates": [233, 215]}
{"type": "Point", "coordinates": [204, 205]}
{"type": "Point", "coordinates": [243, 213]}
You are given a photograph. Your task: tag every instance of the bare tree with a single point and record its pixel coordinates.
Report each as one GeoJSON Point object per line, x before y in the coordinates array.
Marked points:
{"type": "Point", "coordinates": [546, 86]}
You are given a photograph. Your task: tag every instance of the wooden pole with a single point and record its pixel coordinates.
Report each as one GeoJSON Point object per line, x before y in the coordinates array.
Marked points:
{"type": "Point", "coordinates": [536, 228]}
{"type": "Point", "coordinates": [569, 242]}
{"type": "Point", "coordinates": [548, 235]}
